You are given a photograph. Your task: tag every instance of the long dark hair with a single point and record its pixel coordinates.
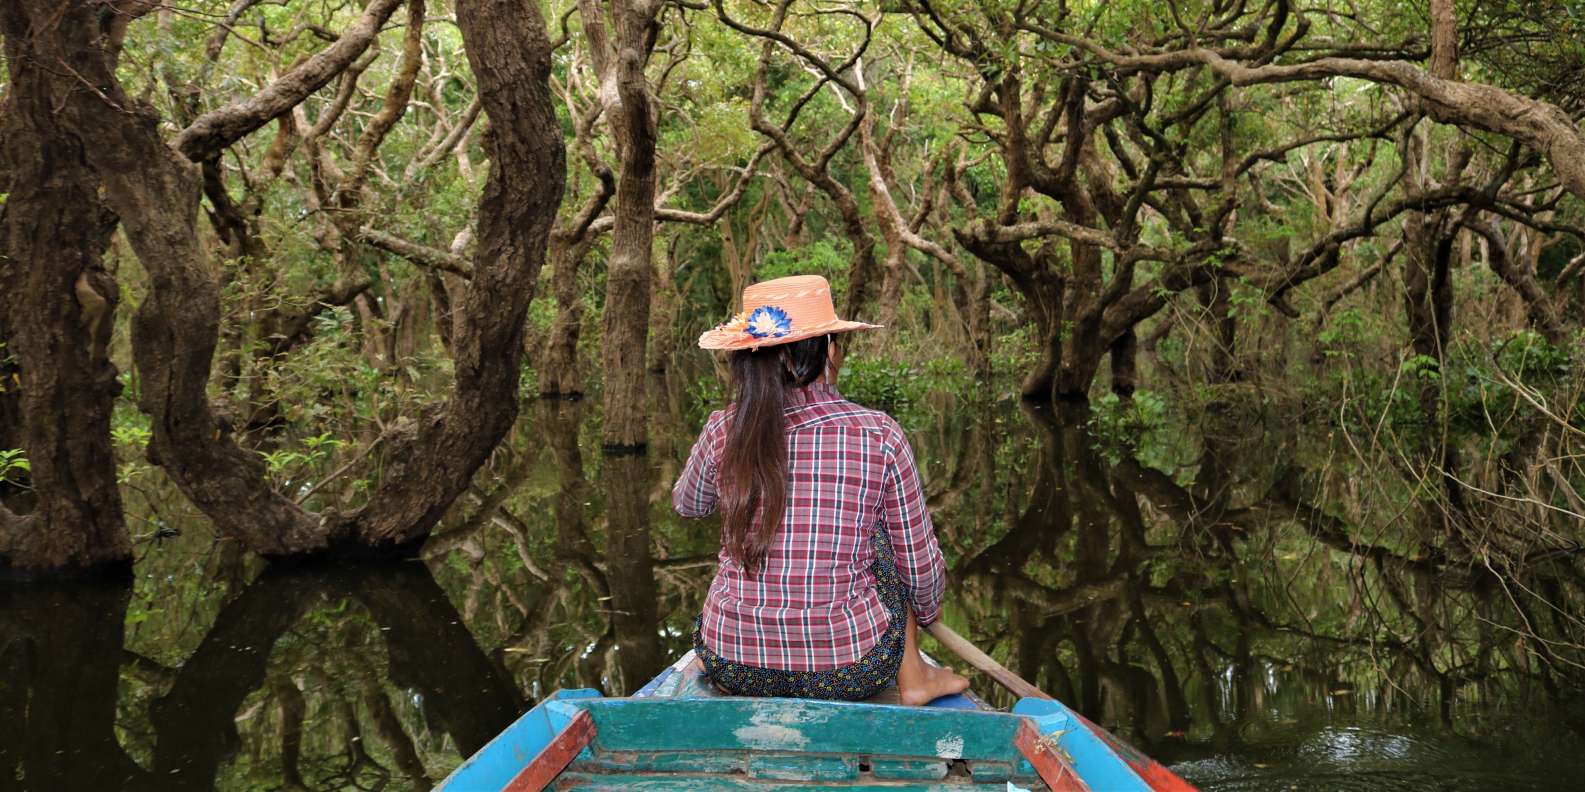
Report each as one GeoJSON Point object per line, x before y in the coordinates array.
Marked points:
{"type": "Point", "coordinates": [753, 475]}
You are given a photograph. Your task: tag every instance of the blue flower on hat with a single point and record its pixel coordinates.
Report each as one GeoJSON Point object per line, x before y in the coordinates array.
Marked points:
{"type": "Point", "coordinates": [768, 321]}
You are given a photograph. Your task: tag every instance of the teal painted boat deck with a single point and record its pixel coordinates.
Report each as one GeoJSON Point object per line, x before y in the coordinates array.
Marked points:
{"type": "Point", "coordinates": [679, 733]}
{"type": "Point", "coordinates": [739, 743]}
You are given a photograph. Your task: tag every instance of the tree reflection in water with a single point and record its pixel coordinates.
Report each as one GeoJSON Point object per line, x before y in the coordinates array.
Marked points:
{"type": "Point", "coordinates": [1217, 610]}
{"type": "Point", "coordinates": [64, 658]}
{"type": "Point", "coordinates": [1188, 616]}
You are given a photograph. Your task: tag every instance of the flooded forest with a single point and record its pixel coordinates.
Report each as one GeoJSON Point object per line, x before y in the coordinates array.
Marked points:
{"type": "Point", "coordinates": [347, 358]}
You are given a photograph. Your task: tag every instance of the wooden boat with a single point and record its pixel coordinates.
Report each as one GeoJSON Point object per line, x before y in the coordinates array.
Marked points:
{"type": "Point", "coordinates": [678, 734]}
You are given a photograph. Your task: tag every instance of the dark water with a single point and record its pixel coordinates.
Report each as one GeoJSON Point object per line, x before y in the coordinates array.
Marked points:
{"type": "Point", "coordinates": [1158, 586]}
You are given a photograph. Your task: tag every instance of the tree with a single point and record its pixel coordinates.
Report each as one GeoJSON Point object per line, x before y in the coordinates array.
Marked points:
{"type": "Point", "coordinates": [56, 295]}
{"type": "Point", "coordinates": [154, 191]}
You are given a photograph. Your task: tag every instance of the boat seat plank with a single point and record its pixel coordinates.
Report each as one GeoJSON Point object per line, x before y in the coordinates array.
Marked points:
{"type": "Point", "coordinates": [791, 766]}
{"type": "Point", "coordinates": [590, 782]}
{"type": "Point", "coordinates": [781, 725]}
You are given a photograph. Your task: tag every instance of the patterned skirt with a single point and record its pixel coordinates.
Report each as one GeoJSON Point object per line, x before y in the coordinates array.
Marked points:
{"type": "Point", "coordinates": [871, 674]}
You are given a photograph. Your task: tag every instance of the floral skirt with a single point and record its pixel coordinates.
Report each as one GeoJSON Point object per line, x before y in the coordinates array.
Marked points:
{"type": "Point", "coordinates": [871, 674]}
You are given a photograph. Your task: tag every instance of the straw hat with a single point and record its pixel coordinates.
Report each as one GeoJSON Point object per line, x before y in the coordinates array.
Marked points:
{"type": "Point", "coordinates": [781, 311]}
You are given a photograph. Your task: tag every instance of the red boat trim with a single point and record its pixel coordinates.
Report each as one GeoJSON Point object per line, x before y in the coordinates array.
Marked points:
{"type": "Point", "coordinates": [556, 756]}
{"type": "Point", "coordinates": [1163, 780]}
{"type": "Point", "coordinates": [1048, 760]}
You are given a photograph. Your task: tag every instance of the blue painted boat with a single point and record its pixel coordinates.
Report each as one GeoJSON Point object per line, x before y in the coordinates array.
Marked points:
{"type": "Point", "coordinates": [678, 734]}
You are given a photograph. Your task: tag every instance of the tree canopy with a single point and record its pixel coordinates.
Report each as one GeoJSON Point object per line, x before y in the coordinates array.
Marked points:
{"type": "Point", "coordinates": [285, 258]}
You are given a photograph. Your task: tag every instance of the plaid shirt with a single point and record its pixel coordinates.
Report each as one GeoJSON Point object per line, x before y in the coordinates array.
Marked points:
{"type": "Point", "coordinates": [814, 605]}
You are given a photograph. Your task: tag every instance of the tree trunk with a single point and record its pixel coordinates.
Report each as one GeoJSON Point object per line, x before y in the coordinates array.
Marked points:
{"type": "Point", "coordinates": [10, 405]}
{"type": "Point", "coordinates": [663, 311]}
{"type": "Point", "coordinates": [629, 271]}
{"type": "Point", "coordinates": [509, 52]}
{"type": "Point", "coordinates": [1043, 289]}
{"type": "Point", "coordinates": [558, 368]}
{"type": "Point", "coordinates": [1083, 347]}
{"type": "Point", "coordinates": [1444, 40]}
{"type": "Point", "coordinates": [1428, 246]}
{"type": "Point", "coordinates": [55, 293]}
{"type": "Point", "coordinates": [893, 270]}
{"type": "Point", "coordinates": [174, 332]}
{"type": "Point", "coordinates": [1427, 282]}
{"type": "Point", "coordinates": [975, 298]}
{"type": "Point", "coordinates": [1543, 310]}
{"type": "Point", "coordinates": [1044, 303]}
{"type": "Point", "coordinates": [16, 483]}
{"type": "Point", "coordinates": [1125, 368]}
{"type": "Point", "coordinates": [1214, 297]}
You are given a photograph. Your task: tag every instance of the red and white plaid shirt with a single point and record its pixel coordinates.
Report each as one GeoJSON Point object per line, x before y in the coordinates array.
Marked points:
{"type": "Point", "coordinates": [814, 605]}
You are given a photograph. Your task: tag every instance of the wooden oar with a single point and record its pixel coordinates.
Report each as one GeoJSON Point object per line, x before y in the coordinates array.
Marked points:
{"type": "Point", "coordinates": [982, 661]}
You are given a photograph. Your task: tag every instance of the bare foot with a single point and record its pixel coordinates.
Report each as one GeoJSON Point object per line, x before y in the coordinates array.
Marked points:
{"type": "Point", "coordinates": [927, 684]}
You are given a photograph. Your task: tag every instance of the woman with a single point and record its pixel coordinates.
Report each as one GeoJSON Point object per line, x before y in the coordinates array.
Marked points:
{"type": "Point", "coordinates": [829, 564]}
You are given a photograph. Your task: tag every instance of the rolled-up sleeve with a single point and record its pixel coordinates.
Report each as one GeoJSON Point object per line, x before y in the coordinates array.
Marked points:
{"type": "Point", "coordinates": [913, 538]}
{"type": "Point", "coordinates": [695, 494]}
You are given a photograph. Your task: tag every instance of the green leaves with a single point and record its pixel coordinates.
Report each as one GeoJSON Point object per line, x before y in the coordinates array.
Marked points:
{"type": "Point", "coordinates": [14, 465]}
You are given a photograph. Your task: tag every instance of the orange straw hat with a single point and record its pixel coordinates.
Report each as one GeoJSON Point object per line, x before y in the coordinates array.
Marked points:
{"type": "Point", "coordinates": [781, 311]}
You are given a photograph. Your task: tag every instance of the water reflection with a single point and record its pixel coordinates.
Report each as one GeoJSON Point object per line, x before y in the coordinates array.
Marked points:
{"type": "Point", "coordinates": [1219, 615]}
{"type": "Point", "coordinates": [627, 481]}
{"type": "Point", "coordinates": [1210, 606]}
{"type": "Point", "coordinates": [64, 659]}
{"type": "Point", "coordinates": [60, 652]}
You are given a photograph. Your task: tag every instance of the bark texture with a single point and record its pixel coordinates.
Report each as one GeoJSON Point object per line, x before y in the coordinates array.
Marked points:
{"type": "Point", "coordinates": [55, 293]}
{"type": "Point", "coordinates": [619, 57]}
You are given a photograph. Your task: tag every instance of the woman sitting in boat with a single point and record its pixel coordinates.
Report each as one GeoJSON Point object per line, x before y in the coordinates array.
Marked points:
{"type": "Point", "coordinates": [829, 564]}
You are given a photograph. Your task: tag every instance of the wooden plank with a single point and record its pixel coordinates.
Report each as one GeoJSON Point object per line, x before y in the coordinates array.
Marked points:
{"type": "Point", "coordinates": [598, 761]}
{"type": "Point", "coordinates": [591, 782]}
{"type": "Point", "coordinates": [908, 769]}
{"type": "Point", "coordinates": [1053, 766]}
{"type": "Point", "coordinates": [793, 725]}
{"type": "Point", "coordinates": [993, 771]}
{"type": "Point", "coordinates": [544, 767]}
{"type": "Point", "coordinates": [798, 767]}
